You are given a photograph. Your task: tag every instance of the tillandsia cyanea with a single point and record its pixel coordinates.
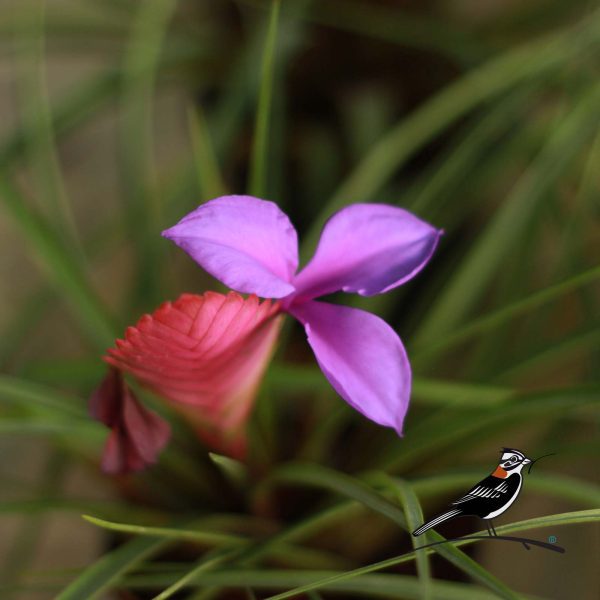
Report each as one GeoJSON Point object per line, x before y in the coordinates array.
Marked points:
{"type": "Point", "coordinates": [251, 246]}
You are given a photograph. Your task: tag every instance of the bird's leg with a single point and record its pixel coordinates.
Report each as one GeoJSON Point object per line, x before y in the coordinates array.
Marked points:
{"type": "Point", "coordinates": [493, 528]}
{"type": "Point", "coordinates": [487, 525]}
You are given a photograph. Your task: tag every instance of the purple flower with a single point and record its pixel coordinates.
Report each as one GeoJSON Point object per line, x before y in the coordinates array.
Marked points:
{"type": "Point", "coordinates": [251, 246]}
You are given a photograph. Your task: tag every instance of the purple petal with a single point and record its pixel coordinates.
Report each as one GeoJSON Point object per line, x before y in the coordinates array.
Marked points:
{"type": "Point", "coordinates": [369, 249]}
{"type": "Point", "coordinates": [246, 243]}
{"type": "Point", "coordinates": [362, 357]}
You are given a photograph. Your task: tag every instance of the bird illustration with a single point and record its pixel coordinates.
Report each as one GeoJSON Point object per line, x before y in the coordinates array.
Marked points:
{"type": "Point", "coordinates": [491, 496]}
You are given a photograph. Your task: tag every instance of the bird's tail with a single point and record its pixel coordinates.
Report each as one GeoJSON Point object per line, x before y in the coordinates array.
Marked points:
{"type": "Point", "coordinates": [439, 519]}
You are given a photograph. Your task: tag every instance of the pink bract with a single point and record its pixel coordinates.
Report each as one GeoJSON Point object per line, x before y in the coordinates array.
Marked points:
{"type": "Point", "coordinates": [137, 434]}
{"type": "Point", "coordinates": [207, 355]}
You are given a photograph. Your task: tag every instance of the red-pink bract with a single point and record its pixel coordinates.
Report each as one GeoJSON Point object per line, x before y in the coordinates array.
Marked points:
{"type": "Point", "coordinates": [137, 433]}
{"type": "Point", "coordinates": [207, 354]}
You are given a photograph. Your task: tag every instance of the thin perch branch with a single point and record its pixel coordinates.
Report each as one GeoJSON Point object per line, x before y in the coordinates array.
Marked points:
{"type": "Point", "coordinates": [507, 538]}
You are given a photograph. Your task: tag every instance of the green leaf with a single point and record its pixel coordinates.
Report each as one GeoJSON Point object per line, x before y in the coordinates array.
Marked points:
{"type": "Point", "coordinates": [558, 486]}
{"type": "Point", "coordinates": [553, 520]}
{"type": "Point", "coordinates": [208, 174]}
{"type": "Point", "coordinates": [103, 574]}
{"type": "Point", "coordinates": [346, 485]}
{"type": "Point", "coordinates": [477, 269]}
{"type": "Point", "coordinates": [398, 26]}
{"type": "Point", "coordinates": [503, 315]}
{"type": "Point", "coordinates": [207, 563]}
{"type": "Point", "coordinates": [113, 510]}
{"type": "Point", "coordinates": [37, 121]}
{"type": "Point", "coordinates": [33, 397]}
{"type": "Point", "coordinates": [259, 161]}
{"type": "Point", "coordinates": [209, 538]}
{"type": "Point", "coordinates": [447, 427]}
{"type": "Point", "coordinates": [143, 208]}
{"type": "Point", "coordinates": [459, 394]}
{"type": "Point", "coordinates": [233, 470]}
{"type": "Point", "coordinates": [26, 541]}
{"type": "Point", "coordinates": [479, 85]}
{"type": "Point", "coordinates": [366, 586]}
{"type": "Point", "coordinates": [567, 348]}
{"type": "Point", "coordinates": [414, 518]}
{"type": "Point", "coordinates": [61, 266]}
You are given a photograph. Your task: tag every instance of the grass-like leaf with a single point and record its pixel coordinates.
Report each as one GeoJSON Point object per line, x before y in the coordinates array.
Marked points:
{"type": "Point", "coordinates": [550, 521]}
{"type": "Point", "coordinates": [60, 264]}
{"type": "Point", "coordinates": [350, 487]}
{"type": "Point", "coordinates": [209, 177]}
{"type": "Point", "coordinates": [258, 165]}
{"type": "Point", "coordinates": [208, 538]}
{"type": "Point", "coordinates": [102, 575]}
{"type": "Point", "coordinates": [414, 518]}
{"type": "Point", "coordinates": [505, 314]}
{"type": "Point", "coordinates": [484, 258]}
{"type": "Point", "coordinates": [447, 427]}
{"type": "Point", "coordinates": [483, 83]}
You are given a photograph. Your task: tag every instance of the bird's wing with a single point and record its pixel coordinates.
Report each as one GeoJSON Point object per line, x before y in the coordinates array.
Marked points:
{"type": "Point", "coordinates": [490, 487]}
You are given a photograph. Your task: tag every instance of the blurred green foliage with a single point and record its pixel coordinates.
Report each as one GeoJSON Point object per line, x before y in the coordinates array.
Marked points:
{"type": "Point", "coordinates": [480, 117]}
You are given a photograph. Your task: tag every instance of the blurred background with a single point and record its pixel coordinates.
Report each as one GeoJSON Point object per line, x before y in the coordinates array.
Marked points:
{"type": "Point", "coordinates": [481, 117]}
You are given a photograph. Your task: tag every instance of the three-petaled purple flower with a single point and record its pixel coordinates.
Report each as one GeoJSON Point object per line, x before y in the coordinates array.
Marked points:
{"type": "Point", "coordinates": [251, 246]}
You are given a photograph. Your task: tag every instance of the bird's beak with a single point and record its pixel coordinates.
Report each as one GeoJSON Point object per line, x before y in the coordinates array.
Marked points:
{"type": "Point", "coordinates": [526, 461]}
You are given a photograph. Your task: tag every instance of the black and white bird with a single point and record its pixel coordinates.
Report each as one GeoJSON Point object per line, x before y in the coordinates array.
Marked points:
{"type": "Point", "coordinates": [491, 496]}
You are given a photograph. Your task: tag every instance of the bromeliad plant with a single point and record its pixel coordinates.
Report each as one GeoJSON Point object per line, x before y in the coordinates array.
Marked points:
{"type": "Point", "coordinates": [206, 354]}
{"type": "Point", "coordinates": [497, 142]}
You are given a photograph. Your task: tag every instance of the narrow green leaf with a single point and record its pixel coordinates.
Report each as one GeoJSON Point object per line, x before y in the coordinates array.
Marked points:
{"type": "Point", "coordinates": [209, 538]}
{"type": "Point", "coordinates": [233, 470]}
{"type": "Point", "coordinates": [143, 208]}
{"type": "Point", "coordinates": [33, 396]}
{"type": "Point", "coordinates": [26, 319]}
{"type": "Point", "coordinates": [308, 378]}
{"type": "Point", "coordinates": [37, 120]}
{"type": "Point", "coordinates": [103, 574]}
{"type": "Point", "coordinates": [108, 509]}
{"type": "Point", "coordinates": [73, 428]}
{"type": "Point", "coordinates": [259, 161]}
{"type": "Point", "coordinates": [504, 315]}
{"type": "Point", "coordinates": [319, 476]}
{"type": "Point", "coordinates": [61, 266]}
{"type": "Point", "coordinates": [564, 349]}
{"type": "Point", "coordinates": [434, 194]}
{"type": "Point", "coordinates": [558, 486]}
{"type": "Point", "coordinates": [447, 427]}
{"type": "Point", "coordinates": [208, 175]}
{"type": "Point", "coordinates": [476, 87]}
{"type": "Point", "coordinates": [392, 24]}
{"type": "Point", "coordinates": [387, 586]}
{"type": "Point", "coordinates": [206, 564]}
{"type": "Point", "coordinates": [414, 518]}
{"type": "Point", "coordinates": [511, 220]}
{"type": "Point", "coordinates": [341, 483]}
{"type": "Point", "coordinates": [551, 521]}
{"type": "Point", "coordinates": [22, 552]}
{"type": "Point", "coordinates": [459, 394]}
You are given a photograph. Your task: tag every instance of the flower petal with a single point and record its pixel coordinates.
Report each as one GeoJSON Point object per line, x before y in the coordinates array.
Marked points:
{"type": "Point", "coordinates": [207, 354]}
{"type": "Point", "coordinates": [362, 357]}
{"type": "Point", "coordinates": [368, 249]}
{"type": "Point", "coordinates": [247, 243]}
{"type": "Point", "coordinates": [138, 434]}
